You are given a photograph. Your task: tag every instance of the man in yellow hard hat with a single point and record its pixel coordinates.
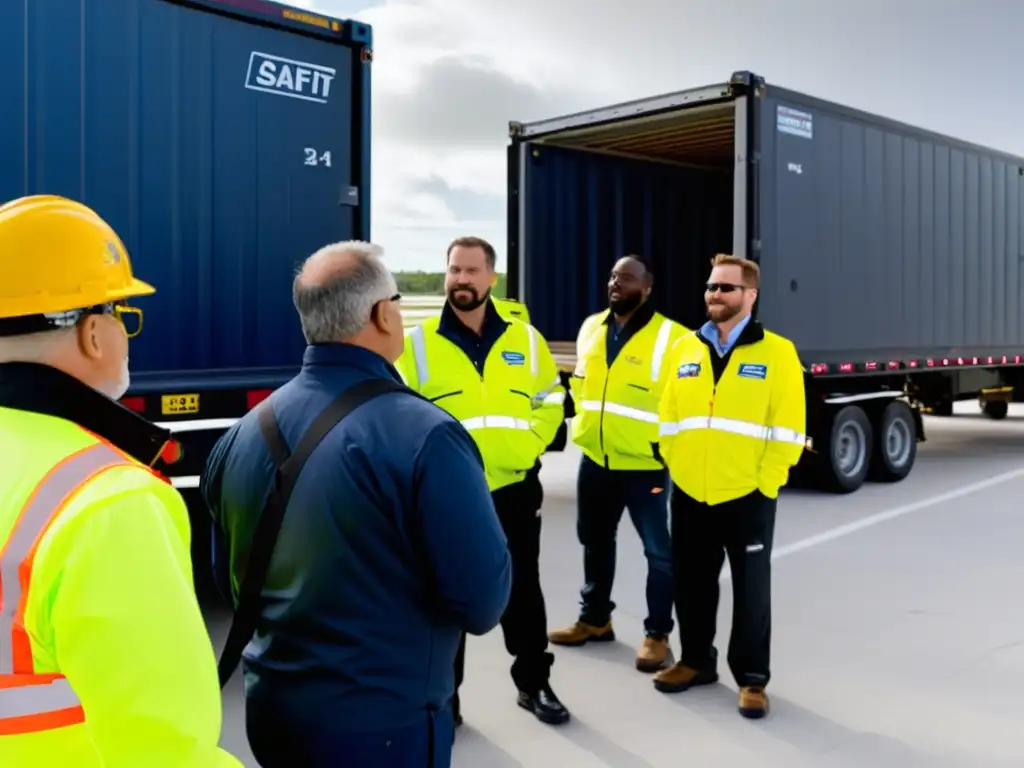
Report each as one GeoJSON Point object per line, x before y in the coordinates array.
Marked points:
{"type": "Point", "coordinates": [104, 658]}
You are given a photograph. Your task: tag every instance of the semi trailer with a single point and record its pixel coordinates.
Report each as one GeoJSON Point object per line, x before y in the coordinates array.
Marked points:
{"type": "Point", "coordinates": [225, 141]}
{"type": "Point", "coordinates": [889, 254]}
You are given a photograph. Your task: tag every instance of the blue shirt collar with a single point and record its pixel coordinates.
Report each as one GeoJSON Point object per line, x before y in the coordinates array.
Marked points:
{"type": "Point", "coordinates": [710, 332]}
{"type": "Point", "coordinates": [348, 355]}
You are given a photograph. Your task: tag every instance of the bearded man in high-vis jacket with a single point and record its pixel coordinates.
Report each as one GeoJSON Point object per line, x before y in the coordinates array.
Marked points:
{"type": "Point", "coordinates": [496, 375]}
{"type": "Point", "coordinates": [621, 356]}
{"type": "Point", "coordinates": [733, 419]}
{"type": "Point", "coordinates": [104, 656]}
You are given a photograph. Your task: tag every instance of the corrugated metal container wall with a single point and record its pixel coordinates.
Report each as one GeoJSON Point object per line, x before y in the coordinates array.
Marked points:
{"type": "Point", "coordinates": [145, 110]}
{"type": "Point", "coordinates": [876, 237]}
{"type": "Point", "coordinates": [584, 210]}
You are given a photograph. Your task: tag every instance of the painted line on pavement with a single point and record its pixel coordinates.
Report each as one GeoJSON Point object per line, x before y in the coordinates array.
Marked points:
{"type": "Point", "coordinates": [842, 531]}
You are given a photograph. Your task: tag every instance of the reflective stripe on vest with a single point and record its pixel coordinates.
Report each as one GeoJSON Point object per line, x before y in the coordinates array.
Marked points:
{"type": "Point", "coordinates": [547, 397]}
{"type": "Point", "coordinates": [494, 422]}
{"type": "Point", "coordinates": [31, 702]}
{"type": "Point", "coordinates": [648, 417]}
{"type": "Point", "coordinates": [657, 359]}
{"type": "Point", "coordinates": [419, 353]}
{"type": "Point", "coordinates": [732, 426]}
{"type": "Point", "coordinates": [660, 348]}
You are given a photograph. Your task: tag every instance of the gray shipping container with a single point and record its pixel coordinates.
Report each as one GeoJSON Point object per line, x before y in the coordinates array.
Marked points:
{"type": "Point", "coordinates": [882, 246]}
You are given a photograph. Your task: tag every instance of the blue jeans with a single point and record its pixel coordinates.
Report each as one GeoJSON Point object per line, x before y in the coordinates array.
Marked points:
{"type": "Point", "coordinates": [602, 495]}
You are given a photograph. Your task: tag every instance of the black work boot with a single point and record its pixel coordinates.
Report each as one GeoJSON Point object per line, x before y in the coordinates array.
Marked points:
{"type": "Point", "coordinates": [544, 705]}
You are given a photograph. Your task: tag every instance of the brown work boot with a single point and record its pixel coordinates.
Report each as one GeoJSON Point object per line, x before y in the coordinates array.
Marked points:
{"type": "Point", "coordinates": [582, 633]}
{"type": "Point", "coordinates": [679, 678]}
{"type": "Point", "coordinates": [753, 703]}
{"type": "Point", "coordinates": [653, 654]}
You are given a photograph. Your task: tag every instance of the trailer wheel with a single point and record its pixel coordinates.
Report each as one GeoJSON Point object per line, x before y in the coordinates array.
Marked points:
{"type": "Point", "coordinates": [995, 409]}
{"type": "Point", "coordinates": [846, 464]}
{"type": "Point", "coordinates": [895, 444]}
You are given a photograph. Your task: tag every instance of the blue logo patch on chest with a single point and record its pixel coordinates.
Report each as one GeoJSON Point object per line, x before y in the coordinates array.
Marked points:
{"type": "Point", "coordinates": [688, 371]}
{"type": "Point", "coordinates": [513, 358]}
{"type": "Point", "coordinates": [752, 371]}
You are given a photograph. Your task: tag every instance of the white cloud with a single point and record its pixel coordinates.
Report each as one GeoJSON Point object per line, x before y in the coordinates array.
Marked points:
{"type": "Point", "coordinates": [450, 74]}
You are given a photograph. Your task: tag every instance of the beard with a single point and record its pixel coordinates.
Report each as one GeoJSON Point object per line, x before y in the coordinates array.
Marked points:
{"type": "Point", "coordinates": [115, 390]}
{"type": "Point", "coordinates": [625, 304]}
{"type": "Point", "coordinates": [722, 313]}
{"type": "Point", "coordinates": [474, 300]}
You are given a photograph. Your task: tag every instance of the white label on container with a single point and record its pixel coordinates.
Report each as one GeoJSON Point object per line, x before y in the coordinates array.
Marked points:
{"type": "Point", "coordinates": [287, 77]}
{"type": "Point", "coordinates": [795, 122]}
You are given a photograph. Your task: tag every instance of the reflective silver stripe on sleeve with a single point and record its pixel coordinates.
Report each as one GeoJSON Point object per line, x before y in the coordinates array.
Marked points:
{"type": "Point", "coordinates": [660, 348]}
{"type": "Point", "coordinates": [733, 426]}
{"type": "Point", "coordinates": [786, 435]}
{"type": "Point", "coordinates": [625, 411]}
{"type": "Point", "coordinates": [547, 396]}
{"type": "Point", "coordinates": [534, 362]}
{"type": "Point", "coordinates": [37, 698]}
{"type": "Point", "coordinates": [52, 492]}
{"type": "Point", "coordinates": [419, 355]}
{"type": "Point", "coordinates": [494, 422]}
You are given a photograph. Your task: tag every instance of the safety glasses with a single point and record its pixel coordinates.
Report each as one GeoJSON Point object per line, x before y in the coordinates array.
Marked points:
{"type": "Point", "coordinates": [129, 317]}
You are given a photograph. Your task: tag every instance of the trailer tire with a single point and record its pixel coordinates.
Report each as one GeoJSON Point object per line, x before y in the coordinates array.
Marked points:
{"type": "Point", "coordinates": [895, 449]}
{"type": "Point", "coordinates": [845, 463]}
{"type": "Point", "coordinates": [996, 409]}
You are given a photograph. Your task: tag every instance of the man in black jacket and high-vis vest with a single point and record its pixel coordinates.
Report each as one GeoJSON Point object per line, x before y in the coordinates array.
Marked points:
{"type": "Point", "coordinates": [732, 425]}
{"type": "Point", "coordinates": [621, 358]}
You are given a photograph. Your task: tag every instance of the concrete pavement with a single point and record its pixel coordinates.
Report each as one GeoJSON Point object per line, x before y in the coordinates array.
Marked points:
{"type": "Point", "coordinates": [897, 637]}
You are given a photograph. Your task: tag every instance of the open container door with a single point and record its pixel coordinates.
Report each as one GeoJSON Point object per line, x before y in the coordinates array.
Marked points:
{"type": "Point", "coordinates": [668, 178]}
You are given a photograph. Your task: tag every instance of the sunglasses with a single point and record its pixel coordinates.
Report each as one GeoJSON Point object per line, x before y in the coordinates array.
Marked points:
{"type": "Point", "coordinates": [723, 287]}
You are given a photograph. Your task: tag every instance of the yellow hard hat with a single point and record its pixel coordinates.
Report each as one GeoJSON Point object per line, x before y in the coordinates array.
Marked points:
{"type": "Point", "coordinates": [57, 255]}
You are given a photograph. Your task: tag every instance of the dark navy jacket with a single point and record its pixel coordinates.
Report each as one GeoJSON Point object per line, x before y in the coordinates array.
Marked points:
{"type": "Point", "coordinates": [390, 548]}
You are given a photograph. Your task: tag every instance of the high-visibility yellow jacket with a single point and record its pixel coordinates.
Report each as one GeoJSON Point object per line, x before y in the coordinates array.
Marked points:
{"type": "Point", "coordinates": [513, 411]}
{"type": "Point", "coordinates": [511, 309]}
{"type": "Point", "coordinates": [616, 421]}
{"type": "Point", "coordinates": [104, 658]}
{"type": "Point", "coordinates": [723, 441]}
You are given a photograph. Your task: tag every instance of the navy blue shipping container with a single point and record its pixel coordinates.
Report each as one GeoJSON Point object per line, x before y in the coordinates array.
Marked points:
{"type": "Point", "coordinates": [879, 243]}
{"type": "Point", "coordinates": [224, 140]}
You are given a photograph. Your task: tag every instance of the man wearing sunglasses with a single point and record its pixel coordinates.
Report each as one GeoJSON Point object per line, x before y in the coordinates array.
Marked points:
{"type": "Point", "coordinates": [732, 425]}
{"type": "Point", "coordinates": [104, 657]}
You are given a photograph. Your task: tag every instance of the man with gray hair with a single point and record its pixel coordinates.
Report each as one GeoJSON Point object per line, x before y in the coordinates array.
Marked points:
{"type": "Point", "coordinates": [383, 544]}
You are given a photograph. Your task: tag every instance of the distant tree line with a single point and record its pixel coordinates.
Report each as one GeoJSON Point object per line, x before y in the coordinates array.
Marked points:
{"type": "Point", "coordinates": [432, 283]}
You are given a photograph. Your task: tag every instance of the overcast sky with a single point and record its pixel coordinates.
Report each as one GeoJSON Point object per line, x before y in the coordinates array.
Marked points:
{"type": "Point", "coordinates": [450, 74]}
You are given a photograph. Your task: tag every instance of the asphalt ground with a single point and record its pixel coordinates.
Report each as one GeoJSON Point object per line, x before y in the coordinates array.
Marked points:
{"type": "Point", "coordinates": [898, 634]}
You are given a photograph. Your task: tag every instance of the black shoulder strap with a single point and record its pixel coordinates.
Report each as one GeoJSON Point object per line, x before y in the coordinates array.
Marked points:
{"type": "Point", "coordinates": [288, 466]}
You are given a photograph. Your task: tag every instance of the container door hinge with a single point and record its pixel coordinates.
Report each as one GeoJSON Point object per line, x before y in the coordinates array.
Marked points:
{"type": "Point", "coordinates": [349, 196]}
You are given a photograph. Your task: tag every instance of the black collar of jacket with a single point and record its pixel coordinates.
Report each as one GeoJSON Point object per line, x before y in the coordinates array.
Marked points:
{"type": "Point", "coordinates": [45, 390]}
{"type": "Point", "coordinates": [641, 316]}
{"type": "Point", "coordinates": [752, 333]}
